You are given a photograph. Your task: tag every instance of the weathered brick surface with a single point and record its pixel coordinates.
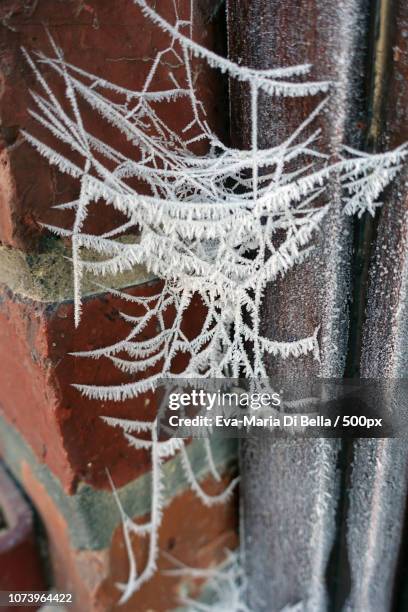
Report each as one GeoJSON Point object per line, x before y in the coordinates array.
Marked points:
{"type": "Point", "coordinates": [112, 40]}
{"type": "Point", "coordinates": [36, 326]}
{"type": "Point", "coordinates": [37, 396]}
{"type": "Point", "coordinates": [193, 534]}
{"type": "Point", "coordinates": [85, 536]}
{"type": "Point", "coordinates": [20, 561]}
{"type": "Point", "coordinates": [50, 436]}
{"type": "Point", "coordinates": [36, 334]}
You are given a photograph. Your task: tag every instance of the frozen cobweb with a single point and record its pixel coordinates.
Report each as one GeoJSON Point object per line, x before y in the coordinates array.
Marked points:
{"type": "Point", "coordinates": [216, 225]}
{"type": "Point", "coordinates": [225, 585]}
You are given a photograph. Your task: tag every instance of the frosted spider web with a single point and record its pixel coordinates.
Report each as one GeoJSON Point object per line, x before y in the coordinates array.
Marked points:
{"type": "Point", "coordinates": [220, 225]}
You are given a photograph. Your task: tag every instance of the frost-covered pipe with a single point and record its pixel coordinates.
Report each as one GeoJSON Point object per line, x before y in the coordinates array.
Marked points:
{"type": "Point", "coordinates": [380, 467]}
{"type": "Point", "coordinates": [291, 489]}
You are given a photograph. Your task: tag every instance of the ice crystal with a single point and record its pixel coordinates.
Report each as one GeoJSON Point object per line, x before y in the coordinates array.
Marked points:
{"type": "Point", "coordinates": [224, 589]}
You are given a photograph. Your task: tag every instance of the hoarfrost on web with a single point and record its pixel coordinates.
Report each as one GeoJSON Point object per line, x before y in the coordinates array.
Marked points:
{"type": "Point", "coordinates": [220, 225]}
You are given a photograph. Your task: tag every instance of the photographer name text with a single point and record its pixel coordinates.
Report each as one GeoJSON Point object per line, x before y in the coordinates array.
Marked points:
{"type": "Point", "coordinates": [270, 422]}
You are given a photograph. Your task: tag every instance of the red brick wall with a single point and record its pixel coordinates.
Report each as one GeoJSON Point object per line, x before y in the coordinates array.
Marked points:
{"type": "Point", "coordinates": [51, 437]}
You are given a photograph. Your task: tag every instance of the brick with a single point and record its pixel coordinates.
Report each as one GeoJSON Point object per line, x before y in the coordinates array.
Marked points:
{"type": "Point", "coordinates": [52, 438]}
{"type": "Point", "coordinates": [36, 321]}
{"type": "Point", "coordinates": [112, 40]}
{"type": "Point", "coordinates": [20, 560]}
{"type": "Point", "coordinates": [86, 542]}
{"type": "Point", "coordinates": [37, 395]}
{"type": "Point", "coordinates": [196, 535]}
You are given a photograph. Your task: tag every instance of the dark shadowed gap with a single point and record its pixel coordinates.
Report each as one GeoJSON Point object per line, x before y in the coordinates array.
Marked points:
{"type": "Point", "coordinates": [3, 521]}
{"type": "Point", "coordinates": [338, 573]}
{"type": "Point", "coordinates": [365, 229]}
{"type": "Point", "coordinates": [400, 600]}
